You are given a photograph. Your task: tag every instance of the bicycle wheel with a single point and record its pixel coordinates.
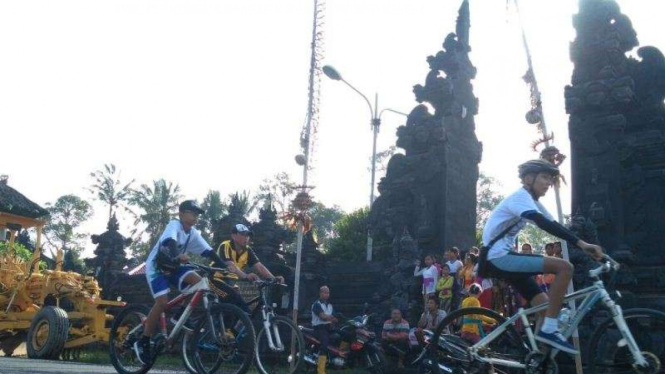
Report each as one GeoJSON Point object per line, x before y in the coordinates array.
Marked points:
{"type": "Point", "coordinates": [187, 353]}
{"type": "Point", "coordinates": [608, 355]}
{"type": "Point", "coordinates": [230, 349]}
{"type": "Point", "coordinates": [280, 360]}
{"type": "Point", "coordinates": [463, 328]}
{"type": "Point", "coordinates": [127, 328]}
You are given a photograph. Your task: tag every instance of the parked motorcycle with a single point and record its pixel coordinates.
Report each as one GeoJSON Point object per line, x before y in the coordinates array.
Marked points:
{"type": "Point", "coordinates": [364, 350]}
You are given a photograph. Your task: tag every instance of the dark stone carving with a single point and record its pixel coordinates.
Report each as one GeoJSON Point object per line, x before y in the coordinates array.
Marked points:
{"type": "Point", "coordinates": [110, 258]}
{"type": "Point", "coordinates": [269, 237]}
{"type": "Point", "coordinates": [431, 188]}
{"type": "Point", "coordinates": [617, 134]}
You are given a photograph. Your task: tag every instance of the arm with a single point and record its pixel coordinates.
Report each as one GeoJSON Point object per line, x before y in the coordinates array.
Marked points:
{"type": "Point", "coordinates": [423, 321]}
{"type": "Point", "coordinates": [558, 230]}
{"type": "Point", "coordinates": [439, 285]}
{"type": "Point", "coordinates": [241, 274]}
{"type": "Point", "coordinates": [216, 260]}
{"type": "Point", "coordinates": [418, 271]}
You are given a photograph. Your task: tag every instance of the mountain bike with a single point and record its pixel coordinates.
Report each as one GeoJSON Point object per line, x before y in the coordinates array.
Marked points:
{"type": "Point", "coordinates": [280, 346]}
{"type": "Point", "coordinates": [222, 338]}
{"type": "Point", "coordinates": [631, 341]}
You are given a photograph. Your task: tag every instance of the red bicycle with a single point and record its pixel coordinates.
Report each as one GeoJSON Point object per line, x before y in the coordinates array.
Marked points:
{"type": "Point", "coordinates": [222, 336]}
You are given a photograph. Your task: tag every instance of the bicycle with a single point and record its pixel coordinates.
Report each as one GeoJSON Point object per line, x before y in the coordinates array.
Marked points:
{"type": "Point", "coordinates": [222, 336]}
{"type": "Point", "coordinates": [503, 348]}
{"type": "Point", "coordinates": [280, 346]}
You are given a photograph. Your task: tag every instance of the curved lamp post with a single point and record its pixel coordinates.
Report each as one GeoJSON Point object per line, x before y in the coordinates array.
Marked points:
{"type": "Point", "coordinates": [375, 116]}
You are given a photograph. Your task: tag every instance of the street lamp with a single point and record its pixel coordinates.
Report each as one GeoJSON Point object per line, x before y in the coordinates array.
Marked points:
{"type": "Point", "coordinates": [375, 116]}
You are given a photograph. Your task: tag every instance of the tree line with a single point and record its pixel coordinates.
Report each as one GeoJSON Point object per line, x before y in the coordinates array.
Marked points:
{"type": "Point", "coordinates": [150, 206]}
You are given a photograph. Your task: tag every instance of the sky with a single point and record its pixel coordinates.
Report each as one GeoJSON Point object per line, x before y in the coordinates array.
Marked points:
{"type": "Point", "coordinates": [213, 94]}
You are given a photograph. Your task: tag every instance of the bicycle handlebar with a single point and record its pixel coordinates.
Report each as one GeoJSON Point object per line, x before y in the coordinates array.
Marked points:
{"type": "Point", "coordinates": [608, 265]}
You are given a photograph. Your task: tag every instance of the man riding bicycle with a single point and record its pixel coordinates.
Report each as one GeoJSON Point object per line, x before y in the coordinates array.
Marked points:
{"type": "Point", "coordinates": [501, 229]}
{"type": "Point", "coordinates": [163, 268]}
{"type": "Point", "coordinates": [237, 256]}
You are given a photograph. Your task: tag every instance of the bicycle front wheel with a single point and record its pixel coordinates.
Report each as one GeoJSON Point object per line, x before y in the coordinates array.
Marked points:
{"type": "Point", "coordinates": [465, 327]}
{"type": "Point", "coordinates": [286, 356]}
{"type": "Point", "coordinates": [607, 353]}
{"type": "Point", "coordinates": [126, 330]}
{"type": "Point", "coordinates": [226, 346]}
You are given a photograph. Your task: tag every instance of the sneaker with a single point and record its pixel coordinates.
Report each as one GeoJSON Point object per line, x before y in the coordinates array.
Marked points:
{"type": "Point", "coordinates": [142, 350]}
{"type": "Point", "coordinates": [557, 341]}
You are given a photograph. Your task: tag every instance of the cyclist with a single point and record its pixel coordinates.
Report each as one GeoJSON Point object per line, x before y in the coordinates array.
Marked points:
{"type": "Point", "coordinates": [237, 255]}
{"type": "Point", "coordinates": [163, 267]}
{"type": "Point", "coordinates": [499, 234]}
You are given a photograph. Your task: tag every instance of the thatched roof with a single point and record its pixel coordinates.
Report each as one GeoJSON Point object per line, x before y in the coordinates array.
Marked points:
{"type": "Point", "coordinates": [13, 202]}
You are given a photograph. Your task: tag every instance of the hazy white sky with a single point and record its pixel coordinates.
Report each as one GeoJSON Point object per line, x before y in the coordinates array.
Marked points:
{"type": "Point", "coordinates": [212, 94]}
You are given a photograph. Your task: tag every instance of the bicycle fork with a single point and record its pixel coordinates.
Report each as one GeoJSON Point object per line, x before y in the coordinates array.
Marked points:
{"type": "Point", "coordinates": [628, 339]}
{"type": "Point", "coordinates": [276, 344]}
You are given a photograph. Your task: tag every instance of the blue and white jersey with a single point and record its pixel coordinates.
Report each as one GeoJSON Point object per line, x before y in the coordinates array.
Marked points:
{"type": "Point", "coordinates": [191, 242]}
{"type": "Point", "coordinates": [507, 213]}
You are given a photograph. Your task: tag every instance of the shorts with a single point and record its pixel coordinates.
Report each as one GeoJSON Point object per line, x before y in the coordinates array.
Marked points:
{"type": "Point", "coordinates": [518, 269]}
{"type": "Point", "coordinates": [160, 283]}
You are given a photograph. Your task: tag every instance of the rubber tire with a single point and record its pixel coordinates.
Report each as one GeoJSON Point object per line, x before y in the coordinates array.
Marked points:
{"type": "Point", "coordinates": [598, 332]}
{"type": "Point", "coordinates": [58, 324]}
{"type": "Point", "coordinates": [228, 309]}
{"type": "Point", "coordinates": [299, 337]}
{"type": "Point", "coordinates": [137, 308]}
{"type": "Point", "coordinates": [187, 361]}
{"type": "Point", "coordinates": [511, 330]}
{"type": "Point", "coordinates": [383, 361]}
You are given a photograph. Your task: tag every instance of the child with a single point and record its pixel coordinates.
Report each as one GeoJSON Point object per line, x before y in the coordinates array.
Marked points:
{"type": "Point", "coordinates": [445, 288]}
{"type": "Point", "coordinates": [472, 328]}
{"type": "Point", "coordinates": [430, 276]}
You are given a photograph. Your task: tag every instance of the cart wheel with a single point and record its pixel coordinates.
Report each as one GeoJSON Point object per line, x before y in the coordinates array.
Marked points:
{"type": "Point", "coordinates": [48, 333]}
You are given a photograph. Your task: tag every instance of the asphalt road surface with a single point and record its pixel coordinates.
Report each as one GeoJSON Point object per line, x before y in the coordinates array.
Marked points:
{"type": "Point", "coordinates": [10, 365]}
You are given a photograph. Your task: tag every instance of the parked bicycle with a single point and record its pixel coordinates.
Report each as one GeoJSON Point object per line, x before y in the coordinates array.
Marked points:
{"type": "Point", "coordinates": [631, 341]}
{"type": "Point", "coordinates": [222, 339]}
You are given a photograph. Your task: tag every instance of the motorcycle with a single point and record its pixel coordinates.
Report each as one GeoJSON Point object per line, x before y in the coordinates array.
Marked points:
{"type": "Point", "coordinates": [363, 347]}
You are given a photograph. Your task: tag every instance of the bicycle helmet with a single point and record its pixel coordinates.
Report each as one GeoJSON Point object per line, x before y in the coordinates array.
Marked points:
{"type": "Point", "coordinates": [537, 166]}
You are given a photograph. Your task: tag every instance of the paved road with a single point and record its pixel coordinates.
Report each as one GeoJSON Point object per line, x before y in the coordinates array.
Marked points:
{"type": "Point", "coordinates": [28, 366]}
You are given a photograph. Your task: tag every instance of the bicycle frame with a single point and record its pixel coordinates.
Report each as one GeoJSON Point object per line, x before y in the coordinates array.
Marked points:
{"type": "Point", "coordinates": [274, 339]}
{"type": "Point", "coordinates": [199, 290]}
{"type": "Point", "coordinates": [591, 296]}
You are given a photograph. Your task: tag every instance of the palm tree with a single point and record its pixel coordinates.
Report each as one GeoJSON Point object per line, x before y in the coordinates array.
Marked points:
{"type": "Point", "coordinates": [158, 204]}
{"type": "Point", "coordinates": [241, 204]}
{"type": "Point", "coordinates": [214, 208]}
{"type": "Point", "coordinates": [108, 188]}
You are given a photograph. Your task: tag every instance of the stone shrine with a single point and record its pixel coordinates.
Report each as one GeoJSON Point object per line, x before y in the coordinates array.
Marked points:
{"type": "Point", "coordinates": [430, 190]}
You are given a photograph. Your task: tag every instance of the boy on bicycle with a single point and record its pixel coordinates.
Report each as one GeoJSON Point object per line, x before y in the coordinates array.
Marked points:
{"type": "Point", "coordinates": [163, 267]}
{"type": "Point", "coordinates": [501, 229]}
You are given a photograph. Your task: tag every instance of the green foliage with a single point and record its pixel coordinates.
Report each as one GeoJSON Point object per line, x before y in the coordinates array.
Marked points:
{"type": "Point", "coordinates": [241, 204]}
{"type": "Point", "coordinates": [21, 251]}
{"type": "Point", "coordinates": [214, 208]}
{"type": "Point", "coordinates": [66, 216]}
{"type": "Point", "coordinates": [157, 204]}
{"type": "Point", "coordinates": [535, 236]}
{"type": "Point", "coordinates": [349, 240]}
{"type": "Point", "coordinates": [108, 188]}
{"type": "Point", "coordinates": [487, 199]}
{"type": "Point", "coordinates": [324, 219]}
{"type": "Point", "coordinates": [278, 190]}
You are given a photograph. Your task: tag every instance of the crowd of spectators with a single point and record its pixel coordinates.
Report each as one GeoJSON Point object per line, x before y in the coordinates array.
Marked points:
{"type": "Point", "coordinates": [452, 282]}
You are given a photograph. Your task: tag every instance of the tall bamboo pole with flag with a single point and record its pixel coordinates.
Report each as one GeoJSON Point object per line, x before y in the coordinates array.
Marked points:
{"type": "Point", "coordinates": [302, 203]}
{"type": "Point", "coordinates": [550, 153]}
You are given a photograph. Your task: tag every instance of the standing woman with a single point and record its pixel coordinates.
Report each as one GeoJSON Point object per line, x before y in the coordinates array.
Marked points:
{"type": "Point", "coordinates": [430, 275]}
